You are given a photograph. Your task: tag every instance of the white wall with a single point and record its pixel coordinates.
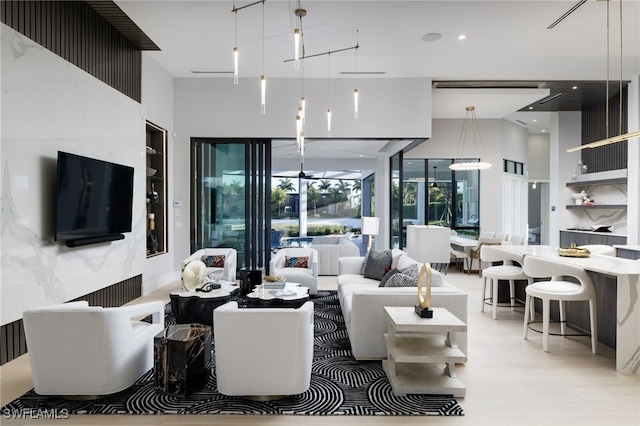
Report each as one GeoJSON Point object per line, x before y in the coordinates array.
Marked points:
{"type": "Point", "coordinates": [157, 99]}
{"type": "Point", "coordinates": [538, 157]}
{"type": "Point", "coordinates": [50, 105]}
{"type": "Point", "coordinates": [214, 107]}
{"type": "Point", "coordinates": [501, 139]}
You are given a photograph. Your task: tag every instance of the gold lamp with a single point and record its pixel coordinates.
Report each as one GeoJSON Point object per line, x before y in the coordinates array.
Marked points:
{"type": "Point", "coordinates": [369, 226]}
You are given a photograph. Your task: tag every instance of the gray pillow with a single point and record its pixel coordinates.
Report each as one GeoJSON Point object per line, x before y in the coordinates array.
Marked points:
{"type": "Point", "coordinates": [377, 264]}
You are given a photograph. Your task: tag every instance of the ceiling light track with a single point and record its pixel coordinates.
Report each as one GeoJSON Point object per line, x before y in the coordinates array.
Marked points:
{"type": "Point", "coordinates": [329, 52]}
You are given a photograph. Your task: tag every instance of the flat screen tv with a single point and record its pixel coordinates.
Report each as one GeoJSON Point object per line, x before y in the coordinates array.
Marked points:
{"type": "Point", "coordinates": [94, 200]}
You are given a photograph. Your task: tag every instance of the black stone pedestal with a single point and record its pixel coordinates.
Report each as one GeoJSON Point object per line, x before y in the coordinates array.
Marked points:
{"type": "Point", "coordinates": [182, 359]}
{"type": "Point", "coordinates": [250, 277]}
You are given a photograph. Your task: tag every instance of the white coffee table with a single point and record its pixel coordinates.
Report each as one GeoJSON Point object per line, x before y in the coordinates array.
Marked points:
{"type": "Point", "coordinates": [422, 352]}
{"type": "Point", "coordinates": [291, 296]}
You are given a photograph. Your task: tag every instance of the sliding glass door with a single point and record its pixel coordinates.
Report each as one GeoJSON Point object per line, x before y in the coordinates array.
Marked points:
{"type": "Point", "coordinates": [230, 197]}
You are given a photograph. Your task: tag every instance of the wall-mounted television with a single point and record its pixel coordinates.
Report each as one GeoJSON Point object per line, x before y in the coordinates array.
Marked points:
{"type": "Point", "coordinates": [94, 200]}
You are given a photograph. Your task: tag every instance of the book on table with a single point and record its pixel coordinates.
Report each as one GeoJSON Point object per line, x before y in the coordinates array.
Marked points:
{"type": "Point", "coordinates": [277, 285]}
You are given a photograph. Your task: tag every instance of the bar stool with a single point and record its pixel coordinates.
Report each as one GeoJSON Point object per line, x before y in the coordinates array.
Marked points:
{"type": "Point", "coordinates": [561, 290]}
{"type": "Point", "coordinates": [507, 271]}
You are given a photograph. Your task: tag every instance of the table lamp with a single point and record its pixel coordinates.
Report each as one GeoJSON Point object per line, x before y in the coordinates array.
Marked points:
{"type": "Point", "coordinates": [369, 226]}
{"type": "Point", "coordinates": [426, 245]}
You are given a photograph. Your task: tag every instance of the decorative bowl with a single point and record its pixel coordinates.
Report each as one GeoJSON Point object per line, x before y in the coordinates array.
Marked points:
{"type": "Point", "coordinates": [578, 197]}
{"type": "Point", "coordinates": [151, 172]}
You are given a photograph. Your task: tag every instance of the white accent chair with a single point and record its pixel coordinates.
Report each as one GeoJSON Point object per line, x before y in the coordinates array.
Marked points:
{"type": "Point", "coordinates": [514, 240]}
{"type": "Point", "coordinates": [230, 261]}
{"type": "Point", "coordinates": [557, 288]}
{"type": "Point", "coordinates": [506, 271]}
{"type": "Point", "coordinates": [263, 352]}
{"type": "Point", "coordinates": [81, 350]}
{"type": "Point", "coordinates": [306, 277]}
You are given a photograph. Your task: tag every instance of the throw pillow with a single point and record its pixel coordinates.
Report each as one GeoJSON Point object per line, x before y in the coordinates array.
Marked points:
{"type": "Point", "coordinates": [377, 264]}
{"type": "Point", "coordinates": [296, 262]}
{"type": "Point", "coordinates": [214, 261]}
{"type": "Point", "coordinates": [411, 271]}
{"type": "Point", "coordinates": [364, 263]}
{"type": "Point", "coordinates": [386, 277]}
{"type": "Point", "coordinates": [402, 280]}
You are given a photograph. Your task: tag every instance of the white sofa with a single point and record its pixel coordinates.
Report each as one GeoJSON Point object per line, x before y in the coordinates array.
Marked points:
{"type": "Point", "coordinates": [362, 302]}
{"type": "Point", "coordinates": [330, 249]}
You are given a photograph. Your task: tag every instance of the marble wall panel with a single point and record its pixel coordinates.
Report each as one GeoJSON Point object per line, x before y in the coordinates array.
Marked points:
{"type": "Point", "coordinates": [49, 105]}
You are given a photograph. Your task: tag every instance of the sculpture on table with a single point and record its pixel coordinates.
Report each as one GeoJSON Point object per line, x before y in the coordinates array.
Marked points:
{"type": "Point", "coordinates": [424, 299]}
{"type": "Point", "coordinates": [193, 275]}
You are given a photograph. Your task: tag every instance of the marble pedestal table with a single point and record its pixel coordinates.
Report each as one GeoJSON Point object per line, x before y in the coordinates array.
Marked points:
{"type": "Point", "coordinates": [182, 358]}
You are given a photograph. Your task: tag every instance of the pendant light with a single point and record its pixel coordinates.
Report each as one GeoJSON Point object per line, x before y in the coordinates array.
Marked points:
{"type": "Point", "coordinates": [355, 91]}
{"type": "Point", "coordinates": [435, 178]}
{"type": "Point", "coordinates": [470, 121]}
{"type": "Point", "coordinates": [235, 48]}
{"type": "Point", "coordinates": [263, 78]}
{"type": "Point", "coordinates": [621, 137]}
{"type": "Point", "coordinates": [329, 95]}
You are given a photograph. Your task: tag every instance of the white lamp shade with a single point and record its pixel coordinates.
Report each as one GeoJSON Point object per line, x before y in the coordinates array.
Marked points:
{"type": "Point", "coordinates": [429, 243]}
{"type": "Point", "coordinates": [370, 225]}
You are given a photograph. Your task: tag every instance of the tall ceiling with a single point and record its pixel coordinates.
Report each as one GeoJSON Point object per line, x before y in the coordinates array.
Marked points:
{"type": "Point", "coordinates": [510, 59]}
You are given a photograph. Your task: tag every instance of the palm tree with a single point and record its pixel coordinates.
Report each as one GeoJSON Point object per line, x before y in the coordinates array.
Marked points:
{"type": "Point", "coordinates": [313, 196]}
{"type": "Point", "coordinates": [357, 186]}
{"type": "Point", "coordinates": [286, 185]}
{"type": "Point", "coordinates": [324, 186]}
{"type": "Point", "coordinates": [278, 197]}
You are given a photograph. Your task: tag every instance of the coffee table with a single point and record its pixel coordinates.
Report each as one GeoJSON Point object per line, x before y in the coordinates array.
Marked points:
{"type": "Point", "coordinates": [291, 296]}
{"type": "Point", "coordinates": [197, 306]}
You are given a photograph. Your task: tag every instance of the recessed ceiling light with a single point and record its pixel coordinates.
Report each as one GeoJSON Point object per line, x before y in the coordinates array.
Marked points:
{"type": "Point", "coordinates": [462, 37]}
{"type": "Point", "coordinates": [535, 120]}
{"type": "Point", "coordinates": [431, 37]}
{"type": "Point", "coordinates": [575, 87]}
{"type": "Point", "coordinates": [544, 131]}
{"type": "Point", "coordinates": [530, 107]}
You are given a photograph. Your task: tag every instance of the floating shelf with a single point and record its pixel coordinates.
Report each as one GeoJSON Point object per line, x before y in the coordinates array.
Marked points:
{"type": "Point", "coordinates": [612, 181]}
{"type": "Point", "coordinates": [598, 206]}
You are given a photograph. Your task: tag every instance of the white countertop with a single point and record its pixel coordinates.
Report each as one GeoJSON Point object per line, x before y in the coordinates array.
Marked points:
{"type": "Point", "coordinates": [628, 247]}
{"type": "Point", "coordinates": [609, 265]}
{"type": "Point", "coordinates": [613, 234]}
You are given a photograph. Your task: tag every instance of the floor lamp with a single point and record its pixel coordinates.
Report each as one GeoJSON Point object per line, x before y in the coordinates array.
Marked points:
{"type": "Point", "coordinates": [370, 226]}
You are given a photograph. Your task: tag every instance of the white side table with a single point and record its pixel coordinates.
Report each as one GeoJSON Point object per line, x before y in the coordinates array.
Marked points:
{"type": "Point", "coordinates": [417, 348]}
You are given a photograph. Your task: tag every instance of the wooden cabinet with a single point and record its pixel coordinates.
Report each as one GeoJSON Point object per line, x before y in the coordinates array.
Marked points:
{"type": "Point", "coordinates": [156, 187]}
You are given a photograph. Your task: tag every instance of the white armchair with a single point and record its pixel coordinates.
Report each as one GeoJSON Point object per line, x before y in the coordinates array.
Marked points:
{"type": "Point", "coordinates": [82, 350]}
{"type": "Point", "coordinates": [230, 261]}
{"type": "Point", "coordinates": [306, 277]}
{"type": "Point", "coordinates": [263, 351]}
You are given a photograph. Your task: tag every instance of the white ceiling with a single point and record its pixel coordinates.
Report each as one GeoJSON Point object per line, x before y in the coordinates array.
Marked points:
{"type": "Point", "coordinates": [506, 41]}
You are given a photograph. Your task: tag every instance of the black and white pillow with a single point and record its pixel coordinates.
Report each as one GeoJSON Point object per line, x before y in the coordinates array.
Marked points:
{"type": "Point", "coordinates": [404, 278]}
{"type": "Point", "coordinates": [377, 264]}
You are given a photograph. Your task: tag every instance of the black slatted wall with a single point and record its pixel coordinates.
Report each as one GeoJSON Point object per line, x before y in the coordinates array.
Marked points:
{"type": "Point", "coordinates": [74, 31]}
{"type": "Point", "coordinates": [594, 128]}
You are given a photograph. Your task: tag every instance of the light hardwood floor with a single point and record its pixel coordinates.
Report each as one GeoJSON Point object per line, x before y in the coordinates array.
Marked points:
{"type": "Point", "coordinates": [509, 381]}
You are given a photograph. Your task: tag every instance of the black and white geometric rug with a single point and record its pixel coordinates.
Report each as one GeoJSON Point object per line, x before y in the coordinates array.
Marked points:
{"type": "Point", "coordinates": [340, 385]}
